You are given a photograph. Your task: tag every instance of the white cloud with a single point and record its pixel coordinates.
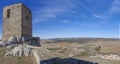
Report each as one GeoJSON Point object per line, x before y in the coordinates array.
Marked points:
{"type": "Point", "coordinates": [47, 13]}
{"type": "Point", "coordinates": [115, 8]}
{"type": "Point", "coordinates": [52, 9]}
{"type": "Point", "coordinates": [97, 16]}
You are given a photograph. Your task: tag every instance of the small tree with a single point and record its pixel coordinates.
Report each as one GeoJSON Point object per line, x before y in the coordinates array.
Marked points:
{"type": "Point", "coordinates": [98, 48]}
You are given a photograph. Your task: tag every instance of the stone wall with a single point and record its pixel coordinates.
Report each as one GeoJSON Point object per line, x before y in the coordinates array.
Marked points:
{"type": "Point", "coordinates": [26, 21]}
{"type": "Point", "coordinates": [17, 21]}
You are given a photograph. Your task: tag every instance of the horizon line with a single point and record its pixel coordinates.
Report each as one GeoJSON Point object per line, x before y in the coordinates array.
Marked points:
{"type": "Point", "coordinates": [83, 37]}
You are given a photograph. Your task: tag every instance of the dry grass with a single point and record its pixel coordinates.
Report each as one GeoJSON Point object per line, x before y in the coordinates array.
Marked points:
{"type": "Point", "coordinates": [14, 60]}
{"type": "Point", "coordinates": [107, 49]}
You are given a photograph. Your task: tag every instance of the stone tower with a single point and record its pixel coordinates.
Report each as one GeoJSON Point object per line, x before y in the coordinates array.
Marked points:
{"type": "Point", "coordinates": [17, 21]}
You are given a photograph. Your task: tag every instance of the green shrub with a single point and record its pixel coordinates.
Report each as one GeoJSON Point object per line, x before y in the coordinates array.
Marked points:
{"type": "Point", "coordinates": [98, 48]}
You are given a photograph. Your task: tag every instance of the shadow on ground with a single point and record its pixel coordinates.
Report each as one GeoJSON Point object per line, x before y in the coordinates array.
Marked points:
{"type": "Point", "coordinates": [66, 61]}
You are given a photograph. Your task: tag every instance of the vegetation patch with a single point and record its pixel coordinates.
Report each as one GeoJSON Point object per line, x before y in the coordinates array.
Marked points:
{"type": "Point", "coordinates": [53, 49]}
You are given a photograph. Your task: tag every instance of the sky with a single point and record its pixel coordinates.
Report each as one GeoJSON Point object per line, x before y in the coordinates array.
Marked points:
{"type": "Point", "coordinates": [72, 18]}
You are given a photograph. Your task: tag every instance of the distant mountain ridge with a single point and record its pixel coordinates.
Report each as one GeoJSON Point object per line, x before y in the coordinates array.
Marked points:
{"type": "Point", "coordinates": [80, 40]}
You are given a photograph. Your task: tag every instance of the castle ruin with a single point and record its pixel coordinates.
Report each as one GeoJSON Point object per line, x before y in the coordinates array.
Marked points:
{"type": "Point", "coordinates": [17, 21]}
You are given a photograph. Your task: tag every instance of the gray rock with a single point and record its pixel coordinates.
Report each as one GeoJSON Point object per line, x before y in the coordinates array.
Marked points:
{"type": "Point", "coordinates": [12, 39]}
{"type": "Point", "coordinates": [18, 40]}
{"type": "Point", "coordinates": [9, 42]}
{"type": "Point", "coordinates": [4, 44]}
{"type": "Point", "coordinates": [21, 50]}
{"type": "Point", "coordinates": [11, 46]}
{"type": "Point", "coordinates": [1, 44]}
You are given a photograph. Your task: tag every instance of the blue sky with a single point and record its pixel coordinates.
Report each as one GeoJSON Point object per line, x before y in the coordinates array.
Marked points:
{"type": "Point", "coordinates": [72, 18]}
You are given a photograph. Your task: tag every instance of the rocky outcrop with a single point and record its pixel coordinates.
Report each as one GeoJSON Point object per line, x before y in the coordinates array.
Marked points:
{"type": "Point", "coordinates": [10, 41]}
{"type": "Point", "coordinates": [36, 53]}
{"type": "Point", "coordinates": [13, 40]}
{"type": "Point", "coordinates": [20, 50]}
{"type": "Point", "coordinates": [27, 48]}
{"type": "Point", "coordinates": [1, 43]}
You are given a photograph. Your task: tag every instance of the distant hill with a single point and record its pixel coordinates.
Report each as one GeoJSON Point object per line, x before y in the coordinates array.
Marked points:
{"type": "Point", "coordinates": [80, 40]}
